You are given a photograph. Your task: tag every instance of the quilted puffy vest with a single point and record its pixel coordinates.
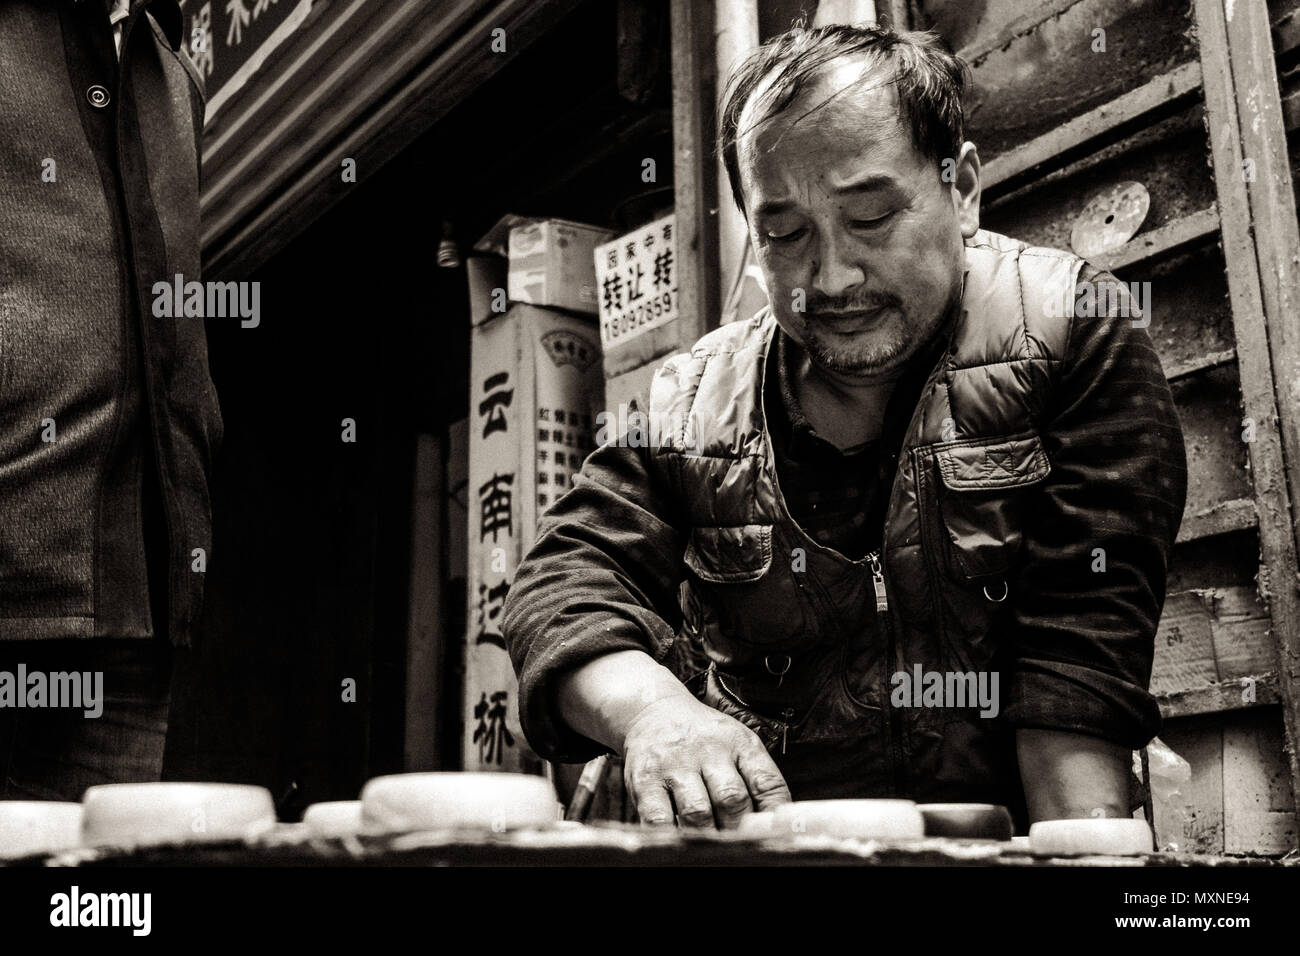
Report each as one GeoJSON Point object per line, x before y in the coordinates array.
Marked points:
{"type": "Point", "coordinates": [802, 644]}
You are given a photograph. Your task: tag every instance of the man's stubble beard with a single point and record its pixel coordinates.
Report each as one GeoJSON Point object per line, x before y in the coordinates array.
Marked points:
{"type": "Point", "coordinates": [860, 357]}
{"type": "Point", "coordinates": [876, 355]}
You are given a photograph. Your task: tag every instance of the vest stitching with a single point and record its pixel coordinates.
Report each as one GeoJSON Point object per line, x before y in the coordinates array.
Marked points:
{"type": "Point", "coordinates": [1069, 328]}
{"type": "Point", "coordinates": [1015, 361]}
{"type": "Point", "coordinates": [1024, 321]}
{"type": "Point", "coordinates": [695, 394]}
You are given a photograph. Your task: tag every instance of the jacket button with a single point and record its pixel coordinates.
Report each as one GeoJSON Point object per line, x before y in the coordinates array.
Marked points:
{"type": "Point", "coordinates": [97, 96]}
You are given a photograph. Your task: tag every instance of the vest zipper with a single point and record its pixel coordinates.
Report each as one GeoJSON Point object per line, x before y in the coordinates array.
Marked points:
{"type": "Point", "coordinates": [882, 615]}
{"type": "Point", "coordinates": [878, 582]}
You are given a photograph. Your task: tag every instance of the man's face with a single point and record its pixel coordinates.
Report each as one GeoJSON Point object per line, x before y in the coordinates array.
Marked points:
{"type": "Point", "coordinates": [858, 235]}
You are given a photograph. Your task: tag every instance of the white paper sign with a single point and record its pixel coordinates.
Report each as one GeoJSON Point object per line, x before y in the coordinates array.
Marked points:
{"type": "Point", "coordinates": [636, 282]}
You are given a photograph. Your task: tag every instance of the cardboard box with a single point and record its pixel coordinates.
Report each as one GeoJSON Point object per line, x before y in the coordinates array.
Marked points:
{"type": "Point", "coordinates": [537, 386]}
{"type": "Point", "coordinates": [486, 276]}
{"type": "Point", "coordinates": [543, 262]}
{"type": "Point", "coordinates": [1209, 636]}
{"type": "Point", "coordinates": [1239, 798]}
{"type": "Point", "coordinates": [552, 264]}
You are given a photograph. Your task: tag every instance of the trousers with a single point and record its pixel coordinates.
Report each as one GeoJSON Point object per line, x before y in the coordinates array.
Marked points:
{"type": "Point", "coordinates": [93, 711]}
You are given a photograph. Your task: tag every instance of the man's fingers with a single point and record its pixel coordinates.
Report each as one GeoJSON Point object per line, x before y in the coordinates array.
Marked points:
{"type": "Point", "coordinates": [729, 793]}
{"type": "Point", "coordinates": [694, 808]}
{"type": "Point", "coordinates": [763, 779]}
{"type": "Point", "coordinates": [654, 806]}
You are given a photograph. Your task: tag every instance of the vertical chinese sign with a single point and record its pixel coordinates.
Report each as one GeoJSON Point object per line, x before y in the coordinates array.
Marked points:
{"type": "Point", "coordinates": [535, 379]}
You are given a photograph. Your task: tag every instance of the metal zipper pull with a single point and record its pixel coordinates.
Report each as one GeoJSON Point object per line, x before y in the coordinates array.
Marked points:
{"type": "Point", "coordinates": [785, 725]}
{"type": "Point", "coordinates": [878, 580]}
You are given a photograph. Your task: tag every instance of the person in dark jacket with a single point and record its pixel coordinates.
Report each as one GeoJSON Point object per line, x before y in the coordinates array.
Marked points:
{"type": "Point", "coordinates": [108, 416]}
{"type": "Point", "coordinates": [902, 534]}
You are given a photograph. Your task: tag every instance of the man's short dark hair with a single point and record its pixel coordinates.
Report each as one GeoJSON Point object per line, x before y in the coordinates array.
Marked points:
{"type": "Point", "coordinates": [929, 78]}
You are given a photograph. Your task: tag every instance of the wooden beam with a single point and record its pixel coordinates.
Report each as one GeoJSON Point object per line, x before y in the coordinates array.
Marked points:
{"type": "Point", "coordinates": [695, 171]}
{"type": "Point", "coordinates": [1189, 120]}
{"type": "Point", "coordinates": [973, 53]}
{"type": "Point", "coordinates": [1277, 242]}
{"type": "Point", "coordinates": [1200, 363]}
{"type": "Point", "coordinates": [736, 27]}
{"type": "Point", "coordinates": [1062, 144]}
{"type": "Point", "coordinates": [1259, 691]}
{"type": "Point", "coordinates": [425, 633]}
{"type": "Point", "coordinates": [1261, 250]}
{"type": "Point", "coordinates": [1162, 243]}
{"type": "Point", "coordinates": [1111, 121]}
{"type": "Point", "coordinates": [1286, 32]}
{"type": "Point", "coordinates": [1291, 110]}
{"type": "Point", "coordinates": [1237, 514]}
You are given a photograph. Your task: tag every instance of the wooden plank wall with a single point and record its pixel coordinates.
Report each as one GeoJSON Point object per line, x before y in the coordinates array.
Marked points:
{"type": "Point", "coordinates": [1070, 98]}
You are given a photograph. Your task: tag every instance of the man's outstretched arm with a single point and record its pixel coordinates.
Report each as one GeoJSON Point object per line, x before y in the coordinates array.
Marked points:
{"type": "Point", "coordinates": [589, 615]}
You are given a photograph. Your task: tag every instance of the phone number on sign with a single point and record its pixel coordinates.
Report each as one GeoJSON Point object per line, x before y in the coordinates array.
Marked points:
{"type": "Point", "coordinates": [651, 312]}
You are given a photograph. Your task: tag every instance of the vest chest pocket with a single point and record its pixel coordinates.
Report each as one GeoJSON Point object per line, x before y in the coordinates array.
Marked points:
{"type": "Point", "coordinates": [980, 502]}
{"type": "Point", "coordinates": [730, 555]}
{"type": "Point", "coordinates": [744, 603]}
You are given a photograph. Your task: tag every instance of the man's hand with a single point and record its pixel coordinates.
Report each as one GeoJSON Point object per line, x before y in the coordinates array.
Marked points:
{"type": "Point", "coordinates": [680, 753]}
{"type": "Point", "coordinates": [677, 752]}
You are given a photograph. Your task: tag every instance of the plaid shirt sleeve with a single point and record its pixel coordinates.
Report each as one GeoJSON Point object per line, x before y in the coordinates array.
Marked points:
{"type": "Point", "coordinates": [1084, 637]}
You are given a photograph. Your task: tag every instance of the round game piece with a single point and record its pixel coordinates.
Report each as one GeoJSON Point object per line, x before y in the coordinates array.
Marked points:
{"type": "Point", "coordinates": [759, 823]}
{"type": "Point", "coordinates": [335, 818]}
{"type": "Point", "coordinates": [861, 819]}
{"type": "Point", "coordinates": [1101, 836]}
{"type": "Point", "coordinates": [147, 814]}
{"type": "Point", "coordinates": [29, 827]}
{"type": "Point", "coordinates": [437, 801]}
{"type": "Point", "coordinates": [967, 821]}
{"type": "Point", "coordinates": [1110, 219]}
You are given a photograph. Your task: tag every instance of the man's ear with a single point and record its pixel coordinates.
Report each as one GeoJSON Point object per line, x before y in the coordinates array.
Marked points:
{"type": "Point", "coordinates": [966, 190]}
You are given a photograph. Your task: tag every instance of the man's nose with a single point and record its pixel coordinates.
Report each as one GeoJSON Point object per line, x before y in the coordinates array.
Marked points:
{"type": "Point", "coordinates": [836, 270]}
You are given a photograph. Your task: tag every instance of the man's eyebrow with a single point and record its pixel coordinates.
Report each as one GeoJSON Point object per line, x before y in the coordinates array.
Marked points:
{"type": "Point", "coordinates": [773, 207]}
{"type": "Point", "coordinates": [867, 184]}
{"type": "Point", "coordinates": [878, 182]}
